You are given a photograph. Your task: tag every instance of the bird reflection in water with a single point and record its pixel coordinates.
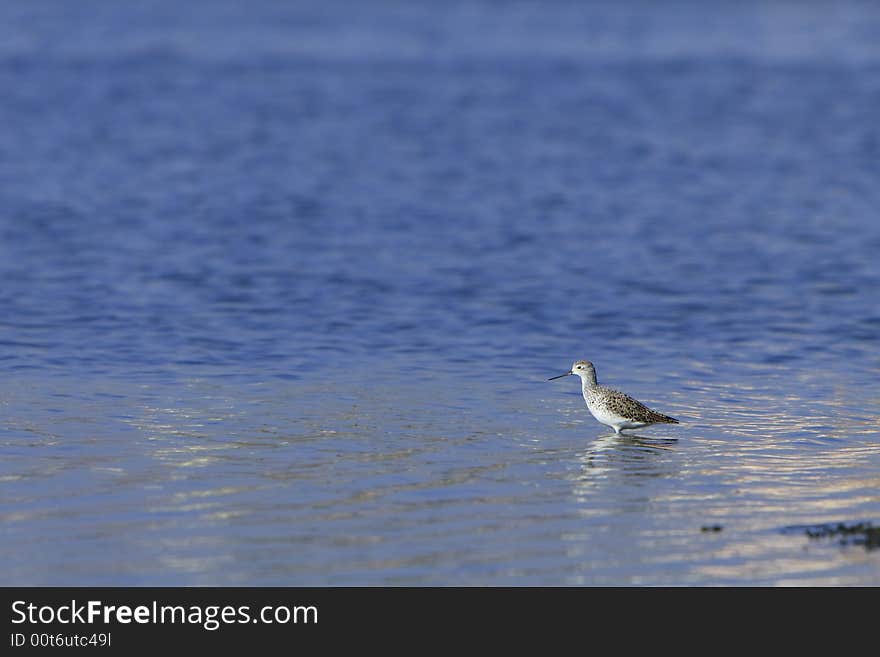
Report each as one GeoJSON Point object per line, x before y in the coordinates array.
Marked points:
{"type": "Point", "coordinates": [616, 455]}
{"type": "Point", "coordinates": [622, 440]}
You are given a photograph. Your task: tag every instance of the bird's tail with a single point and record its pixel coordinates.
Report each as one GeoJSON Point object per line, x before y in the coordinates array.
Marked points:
{"type": "Point", "coordinates": [668, 420]}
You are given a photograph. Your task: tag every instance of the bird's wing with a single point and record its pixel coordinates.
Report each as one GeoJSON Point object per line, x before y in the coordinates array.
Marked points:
{"type": "Point", "coordinates": [626, 406]}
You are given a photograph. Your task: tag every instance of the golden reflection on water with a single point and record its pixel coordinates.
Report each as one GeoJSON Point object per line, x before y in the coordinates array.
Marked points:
{"type": "Point", "coordinates": [748, 459]}
{"type": "Point", "coordinates": [750, 410]}
{"type": "Point", "coordinates": [186, 442]}
{"type": "Point", "coordinates": [180, 435]}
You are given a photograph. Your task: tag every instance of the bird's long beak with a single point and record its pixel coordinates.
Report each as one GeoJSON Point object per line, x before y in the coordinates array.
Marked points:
{"type": "Point", "coordinates": [569, 373]}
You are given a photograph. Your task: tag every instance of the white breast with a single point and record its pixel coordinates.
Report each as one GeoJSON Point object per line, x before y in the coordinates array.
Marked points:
{"type": "Point", "coordinates": [605, 416]}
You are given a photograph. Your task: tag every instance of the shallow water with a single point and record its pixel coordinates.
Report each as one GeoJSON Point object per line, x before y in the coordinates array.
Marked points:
{"type": "Point", "coordinates": [282, 287]}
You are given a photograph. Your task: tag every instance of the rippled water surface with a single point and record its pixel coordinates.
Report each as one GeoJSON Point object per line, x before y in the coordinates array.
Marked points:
{"type": "Point", "coordinates": [282, 284]}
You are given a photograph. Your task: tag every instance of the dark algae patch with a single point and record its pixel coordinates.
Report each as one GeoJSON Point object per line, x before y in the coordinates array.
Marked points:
{"type": "Point", "coordinates": [846, 533]}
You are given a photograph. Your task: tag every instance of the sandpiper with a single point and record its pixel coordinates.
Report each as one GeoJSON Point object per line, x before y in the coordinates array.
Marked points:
{"type": "Point", "coordinates": [611, 407]}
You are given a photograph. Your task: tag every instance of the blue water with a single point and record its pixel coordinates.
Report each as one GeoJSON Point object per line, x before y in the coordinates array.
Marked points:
{"type": "Point", "coordinates": [281, 285]}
